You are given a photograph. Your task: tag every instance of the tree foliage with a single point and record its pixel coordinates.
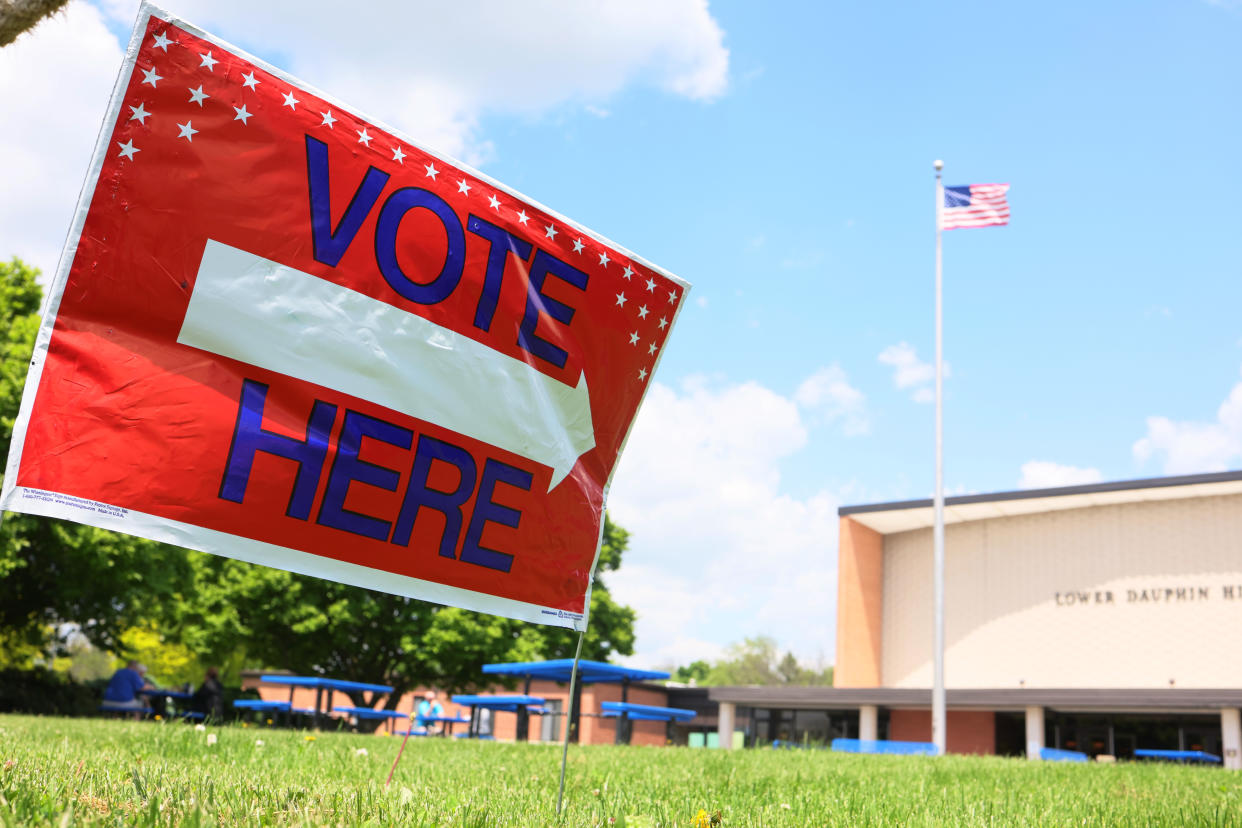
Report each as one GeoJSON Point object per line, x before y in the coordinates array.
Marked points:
{"type": "Point", "coordinates": [312, 626]}
{"type": "Point", "coordinates": [57, 571]}
{"type": "Point", "coordinates": [754, 661]}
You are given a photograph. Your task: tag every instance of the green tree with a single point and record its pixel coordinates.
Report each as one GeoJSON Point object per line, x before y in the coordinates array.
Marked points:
{"type": "Point", "coordinates": [756, 661]}
{"type": "Point", "coordinates": [54, 571]}
{"type": "Point", "coordinates": [311, 626]}
{"type": "Point", "coordinates": [696, 672]}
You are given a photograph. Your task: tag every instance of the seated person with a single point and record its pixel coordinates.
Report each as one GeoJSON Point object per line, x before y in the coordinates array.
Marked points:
{"type": "Point", "coordinates": [426, 708]}
{"type": "Point", "coordinates": [209, 698]}
{"type": "Point", "coordinates": [123, 688]}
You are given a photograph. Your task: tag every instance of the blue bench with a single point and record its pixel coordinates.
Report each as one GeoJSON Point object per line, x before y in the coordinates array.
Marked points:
{"type": "Point", "coordinates": [370, 713]}
{"type": "Point", "coordinates": [1177, 755]}
{"type": "Point", "coordinates": [260, 704]}
{"type": "Point", "coordinates": [646, 712]}
{"type": "Point", "coordinates": [1058, 755]}
{"type": "Point", "coordinates": [886, 746]}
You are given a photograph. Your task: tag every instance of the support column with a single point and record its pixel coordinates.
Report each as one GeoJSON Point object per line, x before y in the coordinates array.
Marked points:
{"type": "Point", "coordinates": [868, 722]}
{"type": "Point", "coordinates": [724, 724]}
{"type": "Point", "coordinates": [1231, 737]}
{"type": "Point", "coordinates": [1034, 731]}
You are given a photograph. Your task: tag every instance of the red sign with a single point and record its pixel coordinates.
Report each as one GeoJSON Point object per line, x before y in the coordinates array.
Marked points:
{"type": "Point", "coordinates": [283, 333]}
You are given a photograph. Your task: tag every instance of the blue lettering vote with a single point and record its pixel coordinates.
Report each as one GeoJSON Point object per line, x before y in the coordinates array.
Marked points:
{"type": "Point", "coordinates": [329, 244]}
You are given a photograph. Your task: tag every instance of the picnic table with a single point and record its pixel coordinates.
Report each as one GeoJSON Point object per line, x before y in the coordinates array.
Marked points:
{"type": "Point", "coordinates": [511, 704]}
{"type": "Point", "coordinates": [589, 672]}
{"type": "Point", "coordinates": [320, 684]}
{"type": "Point", "coordinates": [372, 713]}
{"type": "Point", "coordinates": [1177, 755]}
{"type": "Point", "coordinates": [170, 695]}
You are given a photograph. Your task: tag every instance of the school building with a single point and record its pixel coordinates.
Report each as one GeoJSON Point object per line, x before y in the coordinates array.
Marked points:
{"type": "Point", "coordinates": [1102, 618]}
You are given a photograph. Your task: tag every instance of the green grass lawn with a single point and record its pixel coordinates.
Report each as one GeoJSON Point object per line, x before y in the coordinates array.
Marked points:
{"type": "Point", "coordinates": [100, 772]}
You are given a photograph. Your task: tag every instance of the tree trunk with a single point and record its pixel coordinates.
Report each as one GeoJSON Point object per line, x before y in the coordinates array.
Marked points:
{"type": "Point", "coordinates": [16, 16]}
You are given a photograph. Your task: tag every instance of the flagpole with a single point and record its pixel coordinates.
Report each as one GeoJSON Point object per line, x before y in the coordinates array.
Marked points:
{"type": "Point", "coordinates": [938, 701]}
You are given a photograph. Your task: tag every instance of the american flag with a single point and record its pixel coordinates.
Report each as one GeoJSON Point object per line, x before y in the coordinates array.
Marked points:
{"type": "Point", "coordinates": [976, 205]}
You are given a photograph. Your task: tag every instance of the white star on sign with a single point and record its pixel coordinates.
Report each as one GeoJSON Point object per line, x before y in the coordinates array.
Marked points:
{"type": "Point", "coordinates": [328, 120]}
{"type": "Point", "coordinates": [432, 172]}
{"type": "Point", "coordinates": [363, 137]}
{"type": "Point", "coordinates": [634, 338]}
{"type": "Point", "coordinates": [291, 101]}
{"type": "Point", "coordinates": [140, 114]}
{"type": "Point", "coordinates": [522, 217]}
{"type": "Point", "coordinates": [242, 114]}
{"type": "Point", "coordinates": [251, 81]}
{"type": "Point", "coordinates": [651, 349]}
{"type": "Point", "coordinates": [621, 299]}
{"type": "Point", "coordinates": [603, 259]}
{"type": "Point", "coordinates": [629, 271]}
{"type": "Point", "coordinates": [463, 187]}
{"type": "Point", "coordinates": [550, 231]}
{"type": "Point", "coordinates": [162, 41]}
{"type": "Point", "coordinates": [127, 149]}
{"type": "Point", "coordinates": [642, 374]}
{"type": "Point", "coordinates": [198, 95]}
{"type": "Point", "coordinates": [187, 131]}
{"type": "Point", "coordinates": [494, 202]}
{"type": "Point", "coordinates": [672, 296]}
{"type": "Point", "coordinates": [642, 312]}
{"type": "Point", "coordinates": [651, 285]}
{"type": "Point", "coordinates": [663, 323]}
{"type": "Point", "coordinates": [209, 62]}
{"type": "Point", "coordinates": [398, 155]}
{"type": "Point", "coordinates": [149, 76]}
{"type": "Point", "coordinates": [577, 245]}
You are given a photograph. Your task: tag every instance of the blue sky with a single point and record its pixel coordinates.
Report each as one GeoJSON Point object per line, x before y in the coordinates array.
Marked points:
{"type": "Point", "coordinates": [778, 156]}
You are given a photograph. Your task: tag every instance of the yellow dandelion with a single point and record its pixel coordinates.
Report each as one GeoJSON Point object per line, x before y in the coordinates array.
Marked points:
{"type": "Point", "coordinates": [158, 717]}
{"type": "Point", "coordinates": [310, 738]}
{"type": "Point", "coordinates": [701, 820]}
{"type": "Point", "coordinates": [269, 721]}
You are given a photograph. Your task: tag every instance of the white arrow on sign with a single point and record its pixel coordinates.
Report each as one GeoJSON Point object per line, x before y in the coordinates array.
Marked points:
{"type": "Point", "coordinates": [263, 313]}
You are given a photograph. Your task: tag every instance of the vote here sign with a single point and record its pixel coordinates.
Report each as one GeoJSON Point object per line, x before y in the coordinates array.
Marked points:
{"type": "Point", "coordinates": [285, 333]}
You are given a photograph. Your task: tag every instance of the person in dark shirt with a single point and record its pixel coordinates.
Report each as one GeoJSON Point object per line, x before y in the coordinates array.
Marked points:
{"type": "Point", "coordinates": [209, 697]}
{"type": "Point", "coordinates": [123, 688]}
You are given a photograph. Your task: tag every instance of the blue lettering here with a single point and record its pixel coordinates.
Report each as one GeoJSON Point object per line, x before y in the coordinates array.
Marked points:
{"type": "Point", "coordinates": [488, 511]}
{"type": "Point", "coordinates": [419, 494]}
{"type": "Point", "coordinates": [347, 468]}
{"type": "Point", "coordinates": [249, 438]}
{"type": "Point", "coordinates": [463, 526]}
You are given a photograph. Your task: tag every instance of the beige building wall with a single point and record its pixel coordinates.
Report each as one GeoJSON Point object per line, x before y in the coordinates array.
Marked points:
{"type": "Point", "coordinates": [1132, 595]}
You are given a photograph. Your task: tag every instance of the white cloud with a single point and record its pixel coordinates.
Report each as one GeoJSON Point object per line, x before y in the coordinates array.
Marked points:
{"type": "Point", "coordinates": [434, 68]}
{"type": "Point", "coordinates": [828, 394]}
{"type": "Point", "coordinates": [911, 373]}
{"type": "Point", "coordinates": [1195, 446]}
{"type": "Point", "coordinates": [718, 552]}
{"type": "Point", "coordinates": [1042, 474]}
{"type": "Point", "coordinates": [55, 82]}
